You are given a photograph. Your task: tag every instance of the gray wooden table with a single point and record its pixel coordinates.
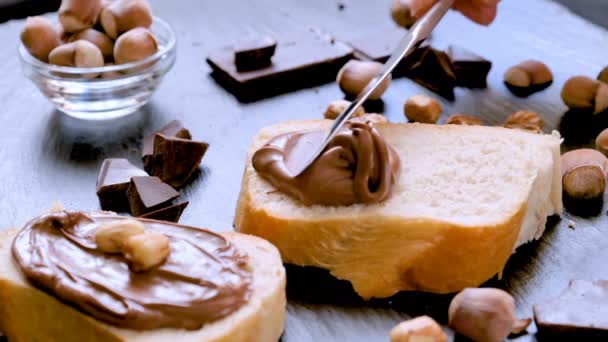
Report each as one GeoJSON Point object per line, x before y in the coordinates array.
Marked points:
{"type": "Point", "coordinates": [46, 156]}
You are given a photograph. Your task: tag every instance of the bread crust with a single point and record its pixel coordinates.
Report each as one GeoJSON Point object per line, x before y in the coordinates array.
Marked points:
{"type": "Point", "coordinates": [28, 314]}
{"type": "Point", "coordinates": [381, 255]}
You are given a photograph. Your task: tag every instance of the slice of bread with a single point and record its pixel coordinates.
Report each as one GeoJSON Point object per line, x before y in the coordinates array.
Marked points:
{"type": "Point", "coordinates": [28, 314]}
{"type": "Point", "coordinates": [466, 198]}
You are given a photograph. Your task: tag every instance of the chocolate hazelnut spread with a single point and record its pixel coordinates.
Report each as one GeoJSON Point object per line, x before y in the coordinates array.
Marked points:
{"type": "Point", "coordinates": [204, 278]}
{"type": "Point", "coordinates": [358, 166]}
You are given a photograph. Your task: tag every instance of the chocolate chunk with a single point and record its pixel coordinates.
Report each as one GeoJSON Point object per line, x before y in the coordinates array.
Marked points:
{"type": "Point", "coordinates": [170, 214]}
{"type": "Point", "coordinates": [114, 178]}
{"type": "Point", "coordinates": [148, 194]}
{"type": "Point", "coordinates": [434, 71]}
{"type": "Point", "coordinates": [302, 59]}
{"type": "Point", "coordinates": [172, 129]}
{"type": "Point", "coordinates": [175, 160]}
{"type": "Point", "coordinates": [580, 313]}
{"type": "Point", "coordinates": [254, 54]}
{"type": "Point", "coordinates": [471, 70]}
{"type": "Point", "coordinates": [378, 46]}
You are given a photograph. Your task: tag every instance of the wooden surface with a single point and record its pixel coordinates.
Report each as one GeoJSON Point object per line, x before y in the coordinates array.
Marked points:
{"type": "Point", "coordinates": [46, 156]}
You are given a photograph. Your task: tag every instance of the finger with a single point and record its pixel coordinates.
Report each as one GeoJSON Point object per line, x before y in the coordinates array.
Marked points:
{"type": "Point", "coordinates": [419, 7]}
{"type": "Point", "coordinates": [480, 15]}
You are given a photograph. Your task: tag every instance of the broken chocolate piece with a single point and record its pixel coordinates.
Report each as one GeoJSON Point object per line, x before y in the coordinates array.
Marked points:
{"type": "Point", "coordinates": [254, 53]}
{"type": "Point", "coordinates": [580, 313]}
{"type": "Point", "coordinates": [471, 70]}
{"type": "Point", "coordinates": [172, 129]}
{"type": "Point", "coordinates": [175, 160]}
{"type": "Point", "coordinates": [148, 194]}
{"type": "Point", "coordinates": [169, 214]}
{"type": "Point", "coordinates": [302, 59]}
{"type": "Point", "coordinates": [434, 71]}
{"type": "Point", "coordinates": [113, 181]}
{"type": "Point", "coordinates": [378, 46]}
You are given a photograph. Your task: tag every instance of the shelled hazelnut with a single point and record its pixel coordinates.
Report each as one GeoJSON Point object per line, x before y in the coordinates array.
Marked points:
{"type": "Point", "coordinates": [103, 42]}
{"type": "Point", "coordinates": [137, 44]}
{"type": "Point", "coordinates": [485, 315]}
{"type": "Point", "coordinates": [355, 75]}
{"type": "Point", "coordinates": [525, 120]}
{"type": "Point", "coordinates": [77, 15]}
{"type": "Point", "coordinates": [463, 119]}
{"type": "Point", "coordinates": [603, 75]}
{"type": "Point", "coordinates": [40, 37]}
{"type": "Point", "coordinates": [123, 15]}
{"type": "Point", "coordinates": [528, 77]}
{"type": "Point", "coordinates": [601, 142]}
{"type": "Point", "coordinates": [423, 109]}
{"type": "Point", "coordinates": [81, 53]}
{"type": "Point", "coordinates": [401, 12]}
{"type": "Point", "coordinates": [338, 106]}
{"type": "Point", "coordinates": [373, 118]}
{"type": "Point", "coordinates": [584, 174]}
{"type": "Point", "coordinates": [422, 328]}
{"type": "Point", "coordinates": [146, 251]}
{"type": "Point", "coordinates": [584, 93]}
{"type": "Point", "coordinates": [111, 237]}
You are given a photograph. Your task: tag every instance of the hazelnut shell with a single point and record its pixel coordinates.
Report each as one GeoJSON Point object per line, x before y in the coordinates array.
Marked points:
{"type": "Point", "coordinates": [601, 142]}
{"type": "Point", "coordinates": [401, 12]}
{"type": "Point", "coordinates": [81, 54]}
{"type": "Point", "coordinates": [585, 94]}
{"type": "Point", "coordinates": [355, 75]}
{"type": "Point", "coordinates": [121, 16]}
{"type": "Point", "coordinates": [603, 75]}
{"type": "Point", "coordinates": [584, 174]}
{"type": "Point", "coordinates": [337, 107]}
{"type": "Point", "coordinates": [102, 41]}
{"type": "Point", "coordinates": [528, 77]}
{"type": "Point", "coordinates": [135, 45]}
{"type": "Point", "coordinates": [423, 109]}
{"type": "Point", "coordinates": [77, 15]}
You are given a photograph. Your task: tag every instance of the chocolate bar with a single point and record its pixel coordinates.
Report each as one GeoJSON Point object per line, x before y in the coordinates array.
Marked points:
{"type": "Point", "coordinates": [253, 54]}
{"type": "Point", "coordinates": [580, 313]}
{"type": "Point", "coordinates": [114, 178]}
{"type": "Point", "coordinates": [433, 70]}
{"type": "Point", "coordinates": [169, 214]}
{"type": "Point", "coordinates": [147, 194]}
{"type": "Point", "coordinates": [303, 59]}
{"type": "Point", "coordinates": [172, 129]}
{"type": "Point", "coordinates": [471, 70]}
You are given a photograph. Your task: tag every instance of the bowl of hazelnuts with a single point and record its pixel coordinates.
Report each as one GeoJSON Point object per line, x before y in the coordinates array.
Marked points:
{"type": "Point", "coordinates": [102, 59]}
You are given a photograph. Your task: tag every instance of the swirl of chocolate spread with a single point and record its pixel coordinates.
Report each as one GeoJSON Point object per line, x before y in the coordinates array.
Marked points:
{"type": "Point", "coordinates": [358, 166]}
{"type": "Point", "coordinates": [205, 278]}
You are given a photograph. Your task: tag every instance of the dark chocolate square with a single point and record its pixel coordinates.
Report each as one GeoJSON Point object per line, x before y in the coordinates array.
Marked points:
{"type": "Point", "coordinates": [471, 70]}
{"type": "Point", "coordinates": [170, 214]}
{"type": "Point", "coordinates": [148, 194]}
{"type": "Point", "coordinates": [302, 59]}
{"type": "Point", "coordinates": [172, 129]}
{"type": "Point", "coordinates": [434, 71]}
{"type": "Point", "coordinates": [175, 160]}
{"type": "Point", "coordinates": [112, 183]}
{"type": "Point", "coordinates": [254, 53]}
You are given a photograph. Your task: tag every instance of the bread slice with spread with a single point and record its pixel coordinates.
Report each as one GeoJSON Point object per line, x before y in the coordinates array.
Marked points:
{"type": "Point", "coordinates": [465, 198]}
{"type": "Point", "coordinates": [57, 283]}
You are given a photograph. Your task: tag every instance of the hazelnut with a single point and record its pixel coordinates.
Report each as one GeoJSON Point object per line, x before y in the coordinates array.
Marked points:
{"type": "Point", "coordinates": [420, 108]}
{"type": "Point", "coordinates": [355, 75]}
{"type": "Point", "coordinates": [584, 93]}
{"type": "Point", "coordinates": [463, 119]}
{"type": "Point", "coordinates": [123, 15]}
{"type": "Point", "coordinates": [401, 11]}
{"type": "Point", "coordinates": [371, 118]}
{"type": "Point", "coordinates": [528, 77]}
{"type": "Point", "coordinates": [40, 37]}
{"type": "Point", "coordinates": [103, 42]}
{"type": "Point", "coordinates": [422, 328]}
{"type": "Point", "coordinates": [111, 237]}
{"type": "Point", "coordinates": [603, 75]}
{"type": "Point", "coordinates": [338, 106]}
{"type": "Point", "coordinates": [135, 45]}
{"type": "Point", "coordinates": [80, 54]}
{"type": "Point", "coordinates": [525, 120]}
{"type": "Point", "coordinates": [146, 251]}
{"type": "Point", "coordinates": [77, 15]}
{"type": "Point", "coordinates": [108, 75]}
{"type": "Point", "coordinates": [484, 315]}
{"type": "Point", "coordinates": [601, 142]}
{"type": "Point", "coordinates": [584, 174]}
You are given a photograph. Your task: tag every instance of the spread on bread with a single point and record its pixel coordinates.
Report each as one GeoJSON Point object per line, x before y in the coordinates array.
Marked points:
{"type": "Point", "coordinates": [203, 277]}
{"type": "Point", "coordinates": [358, 166]}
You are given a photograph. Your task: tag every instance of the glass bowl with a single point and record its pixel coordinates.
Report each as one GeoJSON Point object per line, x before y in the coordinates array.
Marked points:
{"type": "Point", "coordinates": [106, 92]}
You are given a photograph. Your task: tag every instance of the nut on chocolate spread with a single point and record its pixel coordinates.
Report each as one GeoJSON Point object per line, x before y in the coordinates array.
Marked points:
{"type": "Point", "coordinates": [204, 278]}
{"type": "Point", "coordinates": [358, 166]}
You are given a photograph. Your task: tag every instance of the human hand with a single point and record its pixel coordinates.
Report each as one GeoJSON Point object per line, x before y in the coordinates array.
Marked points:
{"type": "Point", "coordinates": [480, 11]}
